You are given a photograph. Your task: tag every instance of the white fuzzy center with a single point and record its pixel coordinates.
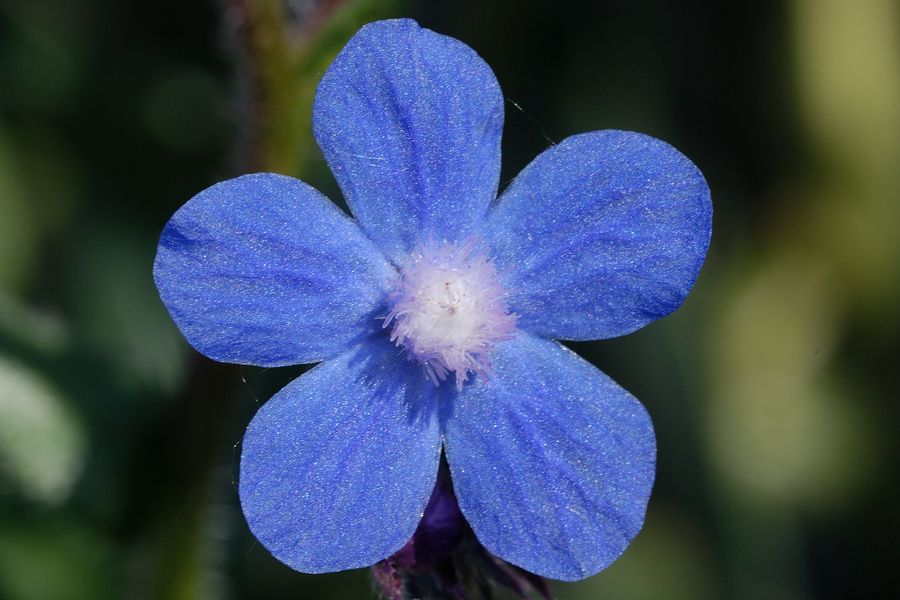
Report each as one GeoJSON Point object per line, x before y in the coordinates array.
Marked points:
{"type": "Point", "coordinates": [448, 311]}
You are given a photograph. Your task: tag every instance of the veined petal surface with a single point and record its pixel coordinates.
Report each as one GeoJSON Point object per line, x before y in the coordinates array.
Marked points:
{"type": "Point", "coordinates": [337, 468]}
{"type": "Point", "coordinates": [552, 462]}
{"type": "Point", "coordinates": [410, 122]}
{"type": "Point", "coordinates": [601, 234]}
{"type": "Point", "coordinates": [264, 270]}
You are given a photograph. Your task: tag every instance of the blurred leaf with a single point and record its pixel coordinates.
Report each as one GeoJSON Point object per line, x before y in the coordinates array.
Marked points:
{"type": "Point", "coordinates": [782, 428]}
{"type": "Point", "coordinates": [183, 558]}
{"type": "Point", "coordinates": [848, 75]}
{"type": "Point", "coordinates": [32, 329]}
{"type": "Point", "coordinates": [54, 560]}
{"type": "Point", "coordinates": [17, 234]}
{"type": "Point", "coordinates": [50, 173]}
{"type": "Point", "coordinates": [42, 444]}
{"type": "Point", "coordinates": [848, 70]}
{"type": "Point", "coordinates": [118, 311]}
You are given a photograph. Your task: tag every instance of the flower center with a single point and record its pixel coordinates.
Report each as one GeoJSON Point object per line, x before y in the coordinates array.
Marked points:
{"type": "Point", "coordinates": [448, 310]}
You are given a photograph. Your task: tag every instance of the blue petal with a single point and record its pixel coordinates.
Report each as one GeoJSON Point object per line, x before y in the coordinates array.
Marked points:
{"type": "Point", "coordinates": [410, 122]}
{"type": "Point", "coordinates": [601, 234]}
{"type": "Point", "coordinates": [337, 468]}
{"type": "Point", "coordinates": [552, 462]}
{"type": "Point", "coordinates": [265, 270]}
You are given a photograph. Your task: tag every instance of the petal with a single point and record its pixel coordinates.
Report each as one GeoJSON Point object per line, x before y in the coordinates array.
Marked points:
{"type": "Point", "coordinates": [410, 122]}
{"type": "Point", "coordinates": [337, 468]}
{"type": "Point", "coordinates": [265, 270]}
{"type": "Point", "coordinates": [552, 462]}
{"type": "Point", "coordinates": [601, 234]}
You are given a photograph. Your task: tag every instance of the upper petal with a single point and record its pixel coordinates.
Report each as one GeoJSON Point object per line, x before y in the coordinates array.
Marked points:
{"type": "Point", "coordinates": [337, 468]}
{"type": "Point", "coordinates": [552, 462]}
{"type": "Point", "coordinates": [410, 122]}
{"type": "Point", "coordinates": [265, 270]}
{"type": "Point", "coordinates": [601, 234]}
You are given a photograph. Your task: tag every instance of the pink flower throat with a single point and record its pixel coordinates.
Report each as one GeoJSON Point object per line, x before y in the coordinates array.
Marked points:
{"type": "Point", "coordinates": [448, 310]}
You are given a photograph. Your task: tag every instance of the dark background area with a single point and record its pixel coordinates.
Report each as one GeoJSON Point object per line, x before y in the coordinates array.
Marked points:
{"type": "Point", "coordinates": [773, 390]}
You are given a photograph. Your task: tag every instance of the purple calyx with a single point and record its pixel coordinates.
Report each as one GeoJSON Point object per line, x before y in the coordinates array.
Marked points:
{"type": "Point", "coordinates": [443, 559]}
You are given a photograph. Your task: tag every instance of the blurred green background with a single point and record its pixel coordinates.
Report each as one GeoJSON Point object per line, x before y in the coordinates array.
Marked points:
{"type": "Point", "coordinates": [774, 389]}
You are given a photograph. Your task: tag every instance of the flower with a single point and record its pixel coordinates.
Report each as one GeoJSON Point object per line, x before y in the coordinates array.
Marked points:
{"type": "Point", "coordinates": [433, 313]}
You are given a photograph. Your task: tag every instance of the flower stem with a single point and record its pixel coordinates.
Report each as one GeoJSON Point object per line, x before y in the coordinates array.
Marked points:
{"type": "Point", "coordinates": [281, 57]}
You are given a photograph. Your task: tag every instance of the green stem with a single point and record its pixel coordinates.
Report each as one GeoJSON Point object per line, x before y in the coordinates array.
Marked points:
{"type": "Point", "coordinates": [281, 63]}
{"type": "Point", "coordinates": [269, 136]}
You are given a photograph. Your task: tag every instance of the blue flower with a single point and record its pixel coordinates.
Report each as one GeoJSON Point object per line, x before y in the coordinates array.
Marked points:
{"type": "Point", "coordinates": [433, 313]}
